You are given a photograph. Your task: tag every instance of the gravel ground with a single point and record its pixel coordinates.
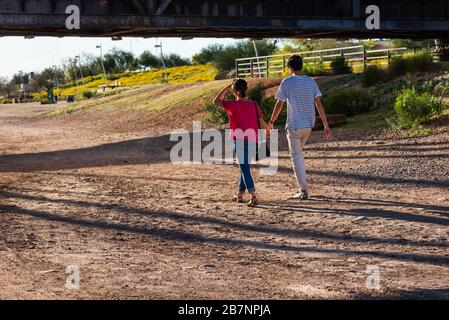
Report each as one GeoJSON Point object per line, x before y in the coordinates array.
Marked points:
{"type": "Point", "coordinates": [74, 192]}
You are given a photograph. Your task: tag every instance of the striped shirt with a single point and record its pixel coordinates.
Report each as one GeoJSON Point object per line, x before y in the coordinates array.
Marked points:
{"type": "Point", "coordinates": [300, 93]}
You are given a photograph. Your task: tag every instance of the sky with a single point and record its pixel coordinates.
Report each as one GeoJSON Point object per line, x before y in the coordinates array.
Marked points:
{"type": "Point", "coordinates": [19, 54]}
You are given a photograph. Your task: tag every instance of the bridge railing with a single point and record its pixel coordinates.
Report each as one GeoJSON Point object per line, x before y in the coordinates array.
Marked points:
{"type": "Point", "coordinates": [358, 57]}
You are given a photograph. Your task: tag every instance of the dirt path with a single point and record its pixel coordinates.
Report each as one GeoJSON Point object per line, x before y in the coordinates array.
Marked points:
{"type": "Point", "coordinates": [139, 227]}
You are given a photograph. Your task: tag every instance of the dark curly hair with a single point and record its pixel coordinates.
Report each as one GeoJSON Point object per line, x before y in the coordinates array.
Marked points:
{"type": "Point", "coordinates": [241, 86]}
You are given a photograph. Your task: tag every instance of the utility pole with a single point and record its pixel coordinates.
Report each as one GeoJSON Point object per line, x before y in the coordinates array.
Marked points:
{"type": "Point", "coordinates": [102, 64]}
{"type": "Point", "coordinates": [258, 62]}
{"type": "Point", "coordinates": [163, 62]}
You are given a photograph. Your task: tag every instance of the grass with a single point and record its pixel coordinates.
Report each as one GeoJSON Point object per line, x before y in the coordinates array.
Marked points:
{"type": "Point", "coordinates": [373, 119]}
{"type": "Point", "coordinates": [176, 75]}
{"type": "Point", "coordinates": [152, 98]}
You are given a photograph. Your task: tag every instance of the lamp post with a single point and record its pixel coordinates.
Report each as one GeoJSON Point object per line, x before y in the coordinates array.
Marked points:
{"type": "Point", "coordinates": [163, 62]}
{"type": "Point", "coordinates": [74, 70]}
{"type": "Point", "coordinates": [257, 57]}
{"type": "Point", "coordinates": [102, 64]}
{"type": "Point", "coordinates": [81, 68]}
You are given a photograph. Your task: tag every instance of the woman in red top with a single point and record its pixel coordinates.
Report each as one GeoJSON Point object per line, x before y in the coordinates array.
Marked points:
{"type": "Point", "coordinates": [244, 119]}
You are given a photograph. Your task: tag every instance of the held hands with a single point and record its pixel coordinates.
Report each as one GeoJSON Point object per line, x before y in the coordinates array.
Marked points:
{"type": "Point", "coordinates": [327, 133]}
{"type": "Point", "coordinates": [267, 130]}
{"type": "Point", "coordinates": [269, 127]}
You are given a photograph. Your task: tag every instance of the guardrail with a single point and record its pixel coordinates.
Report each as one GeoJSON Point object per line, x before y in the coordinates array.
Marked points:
{"type": "Point", "coordinates": [276, 65]}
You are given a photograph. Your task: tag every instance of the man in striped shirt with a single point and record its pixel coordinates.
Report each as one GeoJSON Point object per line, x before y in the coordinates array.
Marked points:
{"type": "Point", "coordinates": [302, 95]}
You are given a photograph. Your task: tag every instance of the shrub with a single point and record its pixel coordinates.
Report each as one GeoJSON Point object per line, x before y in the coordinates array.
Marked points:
{"type": "Point", "coordinates": [5, 100]}
{"type": "Point", "coordinates": [112, 77]}
{"type": "Point", "coordinates": [38, 97]}
{"type": "Point", "coordinates": [266, 104]}
{"type": "Point", "coordinates": [216, 115]}
{"type": "Point", "coordinates": [349, 102]}
{"type": "Point", "coordinates": [398, 67]}
{"type": "Point", "coordinates": [421, 61]}
{"type": "Point", "coordinates": [339, 65]}
{"type": "Point", "coordinates": [413, 108]}
{"type": "Point", "coordinates": [314, 70]}
{"type": "Point", "coordinates": [87, 94]}
{"type": "Point", "coordinates": [373, 75]}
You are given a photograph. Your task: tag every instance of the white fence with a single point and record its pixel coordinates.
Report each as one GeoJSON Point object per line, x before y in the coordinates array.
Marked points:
{"type": "Point", "coordinates": [276, 65]}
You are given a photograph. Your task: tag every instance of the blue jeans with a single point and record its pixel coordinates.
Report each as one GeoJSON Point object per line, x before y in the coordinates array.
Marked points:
{"type": "Point", "coordinates": [245, 152]}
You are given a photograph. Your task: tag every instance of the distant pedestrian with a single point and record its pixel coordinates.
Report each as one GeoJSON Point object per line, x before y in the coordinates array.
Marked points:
{"type": "Point", "coordinates": [302, 96]}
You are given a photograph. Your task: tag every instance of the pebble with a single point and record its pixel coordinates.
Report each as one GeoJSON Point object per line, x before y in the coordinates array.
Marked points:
{"type": "Point", "coordinates": [49, 271]}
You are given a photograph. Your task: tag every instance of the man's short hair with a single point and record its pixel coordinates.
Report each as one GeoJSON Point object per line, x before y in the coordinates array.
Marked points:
{"type": "Point", "coordinates": [295, 63]}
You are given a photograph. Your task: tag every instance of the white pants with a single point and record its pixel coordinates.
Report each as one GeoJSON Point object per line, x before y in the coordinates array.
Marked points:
{"type": "Point", "coordinates": [296, 141]}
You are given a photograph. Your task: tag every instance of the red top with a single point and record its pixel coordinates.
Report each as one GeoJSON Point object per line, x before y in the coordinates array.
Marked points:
{"type": "Point", "coordinates": [244, 115]}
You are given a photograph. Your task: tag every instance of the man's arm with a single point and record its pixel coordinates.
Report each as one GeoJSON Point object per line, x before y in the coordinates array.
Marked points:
{"type": "Point", "coordinates": [218, 101]}
{"type": "Point", "coordinates": [320, 108]}
{"type": "Point", "coordinates": [276, 112]}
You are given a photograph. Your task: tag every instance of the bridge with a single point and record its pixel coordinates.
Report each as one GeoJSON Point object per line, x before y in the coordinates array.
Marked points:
{"type": "Point", "coordinates": [226, 18]}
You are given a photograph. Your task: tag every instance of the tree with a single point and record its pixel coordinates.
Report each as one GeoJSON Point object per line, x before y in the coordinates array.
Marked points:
{"type": "Point", "coordinates": [225, 59]}
{"type": "Point", "coordinates": [208, 54]}
{"type": "Point", "coordinates": [47, 79]}
{"type": "Point", "coordinates": [6, 87]}
{"type": "Point", "coordinates": [117, 60]}
{"type": "Point", "coordinates": [149, 60]}
{"type": "Point", "coordinates": [300, 45]}
{"type": "Point", "coordinates": [21, 78]}
{"type": "Point", "coordinates": [175, 60]}
{"type": "Point", "coordinates": [91, 66]}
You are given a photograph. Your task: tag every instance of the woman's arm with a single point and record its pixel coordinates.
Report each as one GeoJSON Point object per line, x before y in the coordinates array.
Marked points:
{"type": "Point", "coordinates": [263, 124]}
{"type": "Point", "coordinates": [218, 101]}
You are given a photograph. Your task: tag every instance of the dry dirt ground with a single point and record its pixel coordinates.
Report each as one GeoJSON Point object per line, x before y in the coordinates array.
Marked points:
{"type": "Point", "coordinates": [75, 192]}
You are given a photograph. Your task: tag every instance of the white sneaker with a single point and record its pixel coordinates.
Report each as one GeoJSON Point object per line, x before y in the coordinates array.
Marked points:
{"type": "Point", "coordinates": [304, 195]}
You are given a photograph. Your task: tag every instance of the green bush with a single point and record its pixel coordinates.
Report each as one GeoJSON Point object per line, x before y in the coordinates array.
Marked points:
{"type": "Point", "coordinates": [373, 75]}
{"type": "Point", "coordinates": [216, 115]}
{"type": "Point", "coordinates": [339, 65]}
{"type": "Point", "coordinates": [349, 102]}
{"type": "Point", "coordinates": [419, 61]}
{"type": "Point", "coordinates": [112, 77]}
{"type": "Point", "coordinates": [87, 94]}
{"type": "Point", "coordinates": [413, 109]}
{"type": "Point", "coordinates": [398, 67]}
{"type": "Point", "coordinates": [266, 104]}
{"type": "Point", "coordinates": [5, 101]}
{"type": "Point", "coordinates": [314, 70]}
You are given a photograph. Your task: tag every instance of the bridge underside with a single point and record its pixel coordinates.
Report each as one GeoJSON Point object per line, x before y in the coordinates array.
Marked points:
{"type": "Point", "coordinates": [226, 18]}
